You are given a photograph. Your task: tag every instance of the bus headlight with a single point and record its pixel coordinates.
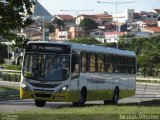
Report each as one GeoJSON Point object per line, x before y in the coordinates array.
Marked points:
{"type": "Point", "coordinates": [63, 88]}
{"type": "Point", "coordinates": [25, 86]}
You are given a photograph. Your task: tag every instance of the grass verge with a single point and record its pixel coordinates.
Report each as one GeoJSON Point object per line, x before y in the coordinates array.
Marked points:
{"type": "Point", "coordinates": [95, 112]}
{"type": "Point", "coordinates": [8, 92]}
{"type": "Point", "coordinates": [148, 81]}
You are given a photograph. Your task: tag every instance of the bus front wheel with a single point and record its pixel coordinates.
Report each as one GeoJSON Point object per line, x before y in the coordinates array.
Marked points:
{"type": "Point", "coordinates": [40, 103]}
{"type": "Point", "coordinates": [82, 97]}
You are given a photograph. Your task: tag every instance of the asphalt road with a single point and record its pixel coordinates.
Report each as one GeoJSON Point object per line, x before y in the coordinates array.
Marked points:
{"type": "Point", "coordinates": [144, 92]}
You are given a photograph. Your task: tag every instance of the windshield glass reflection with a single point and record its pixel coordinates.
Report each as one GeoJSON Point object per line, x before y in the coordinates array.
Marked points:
{"type": "Point", "coordinates": [52, 67]}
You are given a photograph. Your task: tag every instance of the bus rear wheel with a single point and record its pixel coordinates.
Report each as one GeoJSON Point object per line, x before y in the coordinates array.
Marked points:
{"type": "Point", "coordinates": [83, 96]}
{"type": "Point", "coordinates": [115, 96]}
{"type": "Point", "coordinates": [40, 103]}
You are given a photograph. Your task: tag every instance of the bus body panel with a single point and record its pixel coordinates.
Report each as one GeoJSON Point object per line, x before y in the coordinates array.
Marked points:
{"type": "Point", "coordinates": [100, 85]}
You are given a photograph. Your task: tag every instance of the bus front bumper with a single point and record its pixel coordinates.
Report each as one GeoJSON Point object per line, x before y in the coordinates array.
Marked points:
{"type": "Point", "coordinates": [66, 96]}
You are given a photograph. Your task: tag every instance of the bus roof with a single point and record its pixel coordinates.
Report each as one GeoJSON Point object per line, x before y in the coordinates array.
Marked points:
{"type": "Point", "coordinates": [90, 48]}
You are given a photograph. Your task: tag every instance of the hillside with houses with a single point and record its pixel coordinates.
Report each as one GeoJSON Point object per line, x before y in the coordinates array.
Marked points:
{"type": "Point", "coordinates": [108, 27]}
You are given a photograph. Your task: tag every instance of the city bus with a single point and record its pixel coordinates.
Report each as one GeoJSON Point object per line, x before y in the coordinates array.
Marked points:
{"type": "Point", "coordinates": [69, 72]}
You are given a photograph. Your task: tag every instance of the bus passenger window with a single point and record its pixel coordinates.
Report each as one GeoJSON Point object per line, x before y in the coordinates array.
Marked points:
{"type": "Point", "coordinates": [83, 62]}
{"type": "Point", "coordinates": [92, 63]}
{"type": "Point", "coordinates": [75, 65]}
{"type": "Point", "coordinates": [101, 60]}
{"type": "Point", "coordinates": [108, 63]}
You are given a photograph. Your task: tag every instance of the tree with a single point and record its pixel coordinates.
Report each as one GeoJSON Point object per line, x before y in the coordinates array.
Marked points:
{"type": "Point", "coordinates": [88, 24]}
{"type": "Point", "coordinates": [12, 17]}
{"type": "Point", "coordinates": [147, 51]}
{"type": "Point", "coordinates": [85, 40]}
{"type": "Point", "coordinates": [58, 23]}
{"type": "Point", "coordinates": [149, 59]}
{"type": "Point", "coordinates": [21, 42]}
{"type": "Point", "coordinates": [50, 26]}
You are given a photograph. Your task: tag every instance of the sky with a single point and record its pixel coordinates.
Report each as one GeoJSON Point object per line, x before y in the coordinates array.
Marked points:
{"type": "Point", "coordinates": [54, 6]}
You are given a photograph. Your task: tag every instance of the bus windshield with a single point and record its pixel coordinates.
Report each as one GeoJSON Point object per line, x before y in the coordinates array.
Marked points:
{"type": "Point", "coordinates": [48, 67]}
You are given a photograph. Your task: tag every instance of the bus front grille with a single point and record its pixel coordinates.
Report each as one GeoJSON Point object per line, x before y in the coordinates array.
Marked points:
{"type": "Point", "coordinates": [44, 85]}
{"type": "Point", "coordinates": [43, 95]}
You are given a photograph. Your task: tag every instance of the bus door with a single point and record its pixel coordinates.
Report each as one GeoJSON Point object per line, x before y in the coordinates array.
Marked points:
{"type": "Point", "coordinates": [75, 69]}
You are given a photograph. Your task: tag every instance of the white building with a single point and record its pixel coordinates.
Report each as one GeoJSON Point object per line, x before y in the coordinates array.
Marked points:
{"type": "Point", "coordinates": [113, 36]}
{"type": "Point", "coordinates": [127, 16]}
{"type": "Point", "coordinates": [100, 19]}
{"type": "Point", "coordinates": [98, 34]}
{"type": "Point", "coordinates": [148, 15]}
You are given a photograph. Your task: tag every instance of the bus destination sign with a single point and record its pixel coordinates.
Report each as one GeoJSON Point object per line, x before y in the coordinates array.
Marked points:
{"type": "Point", "coordinates": [48, 48]}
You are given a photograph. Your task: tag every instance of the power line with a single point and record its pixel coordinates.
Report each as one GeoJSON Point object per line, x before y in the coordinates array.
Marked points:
{"type": "Point", "coordinates": [77, 11]}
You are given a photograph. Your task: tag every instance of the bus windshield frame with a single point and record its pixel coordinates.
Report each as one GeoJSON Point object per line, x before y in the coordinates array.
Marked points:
{"type": "Point", "coordinates": [46, 62]}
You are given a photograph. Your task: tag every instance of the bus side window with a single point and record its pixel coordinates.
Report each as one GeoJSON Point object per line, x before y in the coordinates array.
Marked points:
{"type": "Point", "coordinates": [83, 62]}
{"type": "Point", "coordinates": [101, 63]}
{"type": "Point", "coordinates": [108, 63]}
{"type": "Point", "coordinates": [75, 64]}
{"type": "Point", "coordinates": [92, 62]}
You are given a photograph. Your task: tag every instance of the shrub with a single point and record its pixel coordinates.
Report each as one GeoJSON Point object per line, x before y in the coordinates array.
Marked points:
{"type": "Point", "coordinates": [1, 74]}
{"type": "Point", "coordinates": [15, 77]}
{"type": "Point", "coordinates": [13, 67]}
{"type": "Point", "coordinates": [3, 54]}
{"type": "Point", "coordinates": [11, 77]}
{"type": "Point", "coordinates": [8, 77]}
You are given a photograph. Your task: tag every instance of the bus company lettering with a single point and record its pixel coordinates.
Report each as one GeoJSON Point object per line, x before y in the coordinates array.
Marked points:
{"type": "Point", "coordinates": [95, 80]}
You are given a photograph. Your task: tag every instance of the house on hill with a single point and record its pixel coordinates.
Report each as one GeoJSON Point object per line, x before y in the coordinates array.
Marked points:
{"type": "Point", "coordinates": [100, 19]}
{"type": "Point", "coordinates": [68, 20]}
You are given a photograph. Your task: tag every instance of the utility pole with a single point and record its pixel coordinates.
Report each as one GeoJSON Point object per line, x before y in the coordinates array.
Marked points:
{"type": "Point", "coordinates": [116, 4]}
{"type": "Point", "coordinates": [77, 13]}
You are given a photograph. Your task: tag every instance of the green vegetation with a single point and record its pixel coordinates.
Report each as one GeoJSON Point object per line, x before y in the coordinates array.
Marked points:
{"type": "Point", "coordinates": [13, 18]}
{"type": "Point", "coordinates": [9, 92]}
{"type": "Point", "coordinates": [12, 67]}
{"type": "Point", "coordinates": [58, 23]}
{"type": "Point", "coordinates": [88, 24]}
{"type": "Point", "coordinates": [9, 89]}
{"type": "Point", "coordinates": [85, 40]}
{"type": "Point", "coordinates": [93, 112]}
{"type": "Point", "coordinates": [101, 109]}
{"type": "Point", "coordinates": [3, 54]}
{"type": "Point", "coordinates": [11, 77]}
{"type": "Point", "coordinates": [149, 81]}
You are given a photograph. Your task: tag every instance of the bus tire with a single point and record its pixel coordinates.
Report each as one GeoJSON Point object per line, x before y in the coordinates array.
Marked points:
{"type": "Point", "coordinates": [115, 96]}
{"type": "Point", "coordinates": [75, 104]}
{"type": "Point", "coordinates": [107, 102]}
{"type": "Point", "coordinates": [83, 96]}
{"type": "Point", "coordinates": [40, 103]}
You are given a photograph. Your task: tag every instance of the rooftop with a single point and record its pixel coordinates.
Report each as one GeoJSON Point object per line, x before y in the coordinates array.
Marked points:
{"type": "Point", "coordinates": [150, 21]}
{"type": "Point", "coordinates": [157, 10]}
{"type": "Point", "coordinates": [154, 29]}
{"type": "Point", "coordinates": [115, 33]}
{"type": "Point", "coordinates": [97, 16]}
